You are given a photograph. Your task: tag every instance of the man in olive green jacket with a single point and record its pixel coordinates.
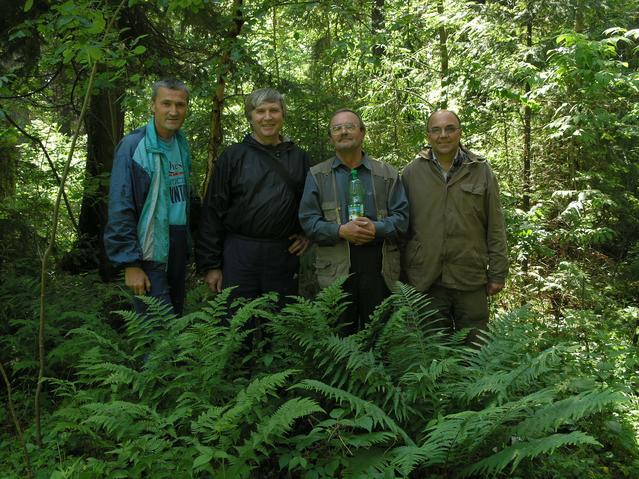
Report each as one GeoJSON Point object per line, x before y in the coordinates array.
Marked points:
{"type": "Point", "coordinates": [456, 251]}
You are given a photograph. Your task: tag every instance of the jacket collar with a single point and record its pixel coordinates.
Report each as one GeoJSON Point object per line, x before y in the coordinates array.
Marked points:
{"type": "Point", "coordinates": [286, 143]}
{"type": "Point", "coordinates": [467, 155]}
{"type": "Point", "coordinates": [151, 137]}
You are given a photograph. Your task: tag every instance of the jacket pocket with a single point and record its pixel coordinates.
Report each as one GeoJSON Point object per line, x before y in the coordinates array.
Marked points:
{"type": "Point", "coordinates": [413, 256]}
{"type": "Point", "coordinates": [473, 196]}
{"type": "Point", "coordinates": [330, 210]}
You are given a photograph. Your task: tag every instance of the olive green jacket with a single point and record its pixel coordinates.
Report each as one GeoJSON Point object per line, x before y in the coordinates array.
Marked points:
{"type": "Point", "coordinates": [457, 235]}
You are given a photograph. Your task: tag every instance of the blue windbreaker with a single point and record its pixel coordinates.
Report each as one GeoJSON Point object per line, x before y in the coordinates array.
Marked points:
{"type": "Point", "coordinates": [138, 226]}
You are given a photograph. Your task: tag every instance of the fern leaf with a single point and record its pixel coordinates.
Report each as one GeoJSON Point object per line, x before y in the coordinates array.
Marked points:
{"type": "Point", "coordinates": [569, 410]}
{"type": "Point", "coordinates": [278, 424]}
{"type": "Point", "coordinates": [358, 405]}
{"type": "Point", "coordinates": [120, 418]}
{"type": "Point", "coordinates": [407, 458]}
{"type": "Point", "coordinates": [216, 423]}
{"type": "Point", "coordinates": [366, 463]}
{"type": "Point", "coordinates": [527, 450]}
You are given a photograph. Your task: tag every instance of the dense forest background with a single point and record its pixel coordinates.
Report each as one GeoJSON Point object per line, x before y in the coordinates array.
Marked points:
{"type": "Point", "coordinates": [547, 90]}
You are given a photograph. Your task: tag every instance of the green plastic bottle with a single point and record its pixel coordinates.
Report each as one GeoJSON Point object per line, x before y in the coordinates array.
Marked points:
{"type": "Point", "coordinates": [355, 197]}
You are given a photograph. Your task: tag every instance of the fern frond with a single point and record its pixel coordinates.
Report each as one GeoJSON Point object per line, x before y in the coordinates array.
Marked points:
{"type": "Point", "coordinates": [569, 410]}
{"type": "Point", "coordinates": [408, 298]}
{"type": "Point", "coordinates": [454, 430]}
{"type": "Point", "coordinates": [411, 337]}
{"type": "Point", "coordinates": [277, 425]}
{"type": "Point", "coordinates": [407, 458]}
{"type": "Point", "coordinates": [87, 338]}
{"type": "Point", "coordinates": [343, 359]}
{"type": "Point", "coordinates": [358, 405]}
{"type": "Point", "coordinates": [367, 440]}
{"type": "Point", "coordinates": [144, 329]}
{"type": "Point", "coordinates": [425, 384]}
{"type": "Point", "coordinates": [120, 418]}
{"type": "Point", "coordinates": [209, 346]}
{"type": "Point", "coordinates": [69, 419]}
{"type": "Point", "coordinates": [471, 430]}
{"type": "Point", "coordinates": [217, 308]}
{"type": "Point", "coordinates": [507, 340]}
{"type": "Point", "coordinates": [503, 381]}
{"type": "Point", "coordinates": [216, 422]}
{"type": "Point", "coordinates": [366, 463]}
{"type": "Point", "coordinates": [527, 450]}
{"type": "Point", "coordinates": [63, 387]}
{"type": "Point", "coordinates": [331, 300]}
{"type": "Point", "coordinates": [303, 325]}
{"type": "Point", "coordinates": [109, 374]}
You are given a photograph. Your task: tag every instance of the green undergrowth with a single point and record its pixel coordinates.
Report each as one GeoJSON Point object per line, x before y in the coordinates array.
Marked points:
{"type": "Point", "coordinates": [248, 390]}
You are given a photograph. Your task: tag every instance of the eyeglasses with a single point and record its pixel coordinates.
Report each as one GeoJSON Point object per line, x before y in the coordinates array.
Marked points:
{"type": "Point", "coordinates": [449, 129]}
{"type": "Point", "coordinates": [349, 127]}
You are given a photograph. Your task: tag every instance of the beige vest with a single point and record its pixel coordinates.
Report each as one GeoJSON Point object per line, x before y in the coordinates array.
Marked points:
{"type": "Point", "coordinates": [333, 262]}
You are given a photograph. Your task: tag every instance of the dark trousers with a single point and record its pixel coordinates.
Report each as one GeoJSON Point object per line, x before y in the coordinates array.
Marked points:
{"type": "Point", "coordinates": [460, 309]}
{"type": "Point", "coordinates": [365, 286]}
{"type": "Point", "coordinates": [258, 266]}
{"type": "Point", "coordinates": [168, 281]}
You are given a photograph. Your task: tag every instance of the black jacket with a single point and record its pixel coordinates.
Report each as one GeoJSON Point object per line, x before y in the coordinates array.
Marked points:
{"type": "Point", "coordinates": [247, 196]}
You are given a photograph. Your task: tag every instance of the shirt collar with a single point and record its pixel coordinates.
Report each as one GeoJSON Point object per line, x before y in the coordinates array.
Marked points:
{"type": "Point", "coordinates": [457, 161]}
{"type": "Point", "coordinates": [365, 162]}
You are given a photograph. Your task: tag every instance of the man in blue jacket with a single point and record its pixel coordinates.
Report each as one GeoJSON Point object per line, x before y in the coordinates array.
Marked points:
{"type": "Point", "coordinates": [149, 201]}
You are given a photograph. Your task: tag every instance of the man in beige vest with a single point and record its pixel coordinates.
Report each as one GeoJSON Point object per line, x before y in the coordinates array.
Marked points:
{"type": "Point", "coordinates": [365, 247]}
{"type": "Point", "coordinates": [457, 250]}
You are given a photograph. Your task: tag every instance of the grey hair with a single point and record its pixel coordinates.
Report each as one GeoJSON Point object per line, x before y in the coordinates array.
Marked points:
{"type": "Point", "coordinates": [269, 95]}
{"type": "Point", "coordinates": [171, 84]}
{"type": "Point", "coordinates": [362, 126]}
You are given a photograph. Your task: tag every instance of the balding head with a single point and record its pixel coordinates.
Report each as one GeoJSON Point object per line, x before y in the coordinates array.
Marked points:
{"type": "Point", "coordinates": [444, 134]}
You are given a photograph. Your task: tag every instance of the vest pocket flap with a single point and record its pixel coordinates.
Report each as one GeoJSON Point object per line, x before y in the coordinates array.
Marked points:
{"type": "Point", "coordinates": [323, 264]}
{"type": "Point", "coordinates": [326, 272]}
{"type": "Point", "coordinates": [329, 210]}
{"type": "Point", "coordinates": [390, 247]}
{"type": "Point", "coordinates": [475, 189]}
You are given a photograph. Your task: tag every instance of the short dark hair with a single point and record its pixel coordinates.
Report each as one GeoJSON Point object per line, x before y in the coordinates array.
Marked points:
{"type": "Point", "coordinates": [170, 83]}
{"type": "Point", "coordinates": [362, 126]}
{"type": "Point", "coordinates": [269, 95]}
{"type": "Point", "coordinates": [440, 111]}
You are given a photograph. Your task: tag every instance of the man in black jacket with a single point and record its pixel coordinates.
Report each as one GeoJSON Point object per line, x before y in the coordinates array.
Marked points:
{"type": "Point", "coordinates": [250, 236]}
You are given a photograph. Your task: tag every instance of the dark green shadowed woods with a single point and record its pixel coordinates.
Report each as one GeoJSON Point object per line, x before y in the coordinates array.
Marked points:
{"type": "Point", "coordinates": [546, 91]}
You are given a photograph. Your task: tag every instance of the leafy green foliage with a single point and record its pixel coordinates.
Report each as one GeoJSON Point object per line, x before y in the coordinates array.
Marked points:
{"type": "Point", "coordinates": [282, 393]}
{"type": "Point", "coordinates": [245, 390]}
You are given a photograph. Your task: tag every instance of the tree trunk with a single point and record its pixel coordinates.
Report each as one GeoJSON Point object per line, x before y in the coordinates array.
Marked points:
{"type": "Point", "coordinates": [377, 24]}
{"type": "Point", "coordinates": [443, 54]}
{"type": "Point", "coordinates": [579, 19]}
{"type": "Point", "coordinates": [275, 54]}
{"type": "Point", "coordinates": [8, 154]}
{"type": "Point", "coordinates": [215, 135]}
{"type": "Point", "coordinates": [104, 124]}
{"type": "Point", "coordinates": [527, 126]}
